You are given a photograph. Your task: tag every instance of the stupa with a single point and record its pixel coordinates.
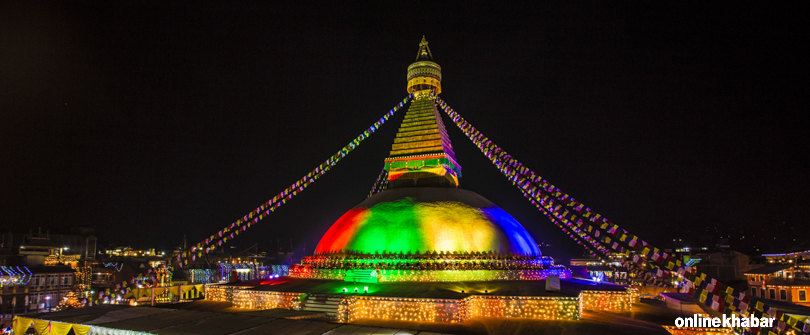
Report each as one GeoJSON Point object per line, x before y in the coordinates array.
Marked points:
{"type": "Point", "coordinates": [422, 249]}
{"type": "Point", "coordinates": [423, 227]}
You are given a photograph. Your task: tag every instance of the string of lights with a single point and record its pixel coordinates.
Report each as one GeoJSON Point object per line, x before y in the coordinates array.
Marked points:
{"type": "Point", "coordinates": [252, 218]}
{"type": "Point", "coordinates": [261, 300]}
{"type": "Point", "coordinates": [220, 293]}
{"type": "Point", "coordinates": [357, 307]}
{"type": "Point", "coordinates": [399, 309]}
{"type": "Point", "coordinates": [16, 275]}
{"type": "Point", "coordinates": [566, 207]}
{"type": "Point", "coordinates": [606, 300]}
{"type": "Point", "coordinates": [381, 184]}
{"type": "Point", "coordinates": [117, 266]}
{"type": "Point", "coordinates": [203, 276]}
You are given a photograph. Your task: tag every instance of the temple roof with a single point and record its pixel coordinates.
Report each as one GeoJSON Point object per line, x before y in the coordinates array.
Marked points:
{"type": "Point", "coordinates": [424, 51]}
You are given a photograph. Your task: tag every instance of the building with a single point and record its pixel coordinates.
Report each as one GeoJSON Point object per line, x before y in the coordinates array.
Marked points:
{"type": "Point", "coordinates": [39, 269]}
{"type": "Point", "coordinates": [785, 277]}
{"type": "Point", "coordinates": [81, 243]}
{"type": "Point", "coordinates": [42, 287]}
{"type": "Point", "coordinates": [725, 265]}
{"type": "Point", "coordinates": [599, 270]}
{"type": "Point", "coordinates": [49, 285]}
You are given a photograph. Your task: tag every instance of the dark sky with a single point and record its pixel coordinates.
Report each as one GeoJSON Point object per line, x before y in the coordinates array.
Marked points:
{"type": "Point", "coordinates": [148, 122]}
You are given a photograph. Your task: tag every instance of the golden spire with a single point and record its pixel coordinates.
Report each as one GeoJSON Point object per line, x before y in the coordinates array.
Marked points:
{"type": "Point", "coordinates": [424, 51]}
{"type": "Point", "coordinates": [424, 75]}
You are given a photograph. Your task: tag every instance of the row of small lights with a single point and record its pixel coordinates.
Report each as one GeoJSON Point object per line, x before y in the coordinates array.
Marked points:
{"type": "Point", "coordinates": [436, 310]}
{"type": "Point", "coordinates": [430, 310]}
{"type": "Point", "coordinates": [261, 300]}
{"type": "Point", "coordinates": [606, 301]}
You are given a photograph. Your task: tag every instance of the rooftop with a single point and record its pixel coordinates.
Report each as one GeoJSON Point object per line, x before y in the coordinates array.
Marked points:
{"type": "Point", "coordinates": [768, 269]}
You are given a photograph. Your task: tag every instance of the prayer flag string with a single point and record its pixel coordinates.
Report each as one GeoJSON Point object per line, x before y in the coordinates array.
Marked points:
{"type": "Point", "coordinates": [601, 234]}
{"type": "Point", "coordinates": [231, 231]}
{"type": "Point", "coordinates": [381, 184]}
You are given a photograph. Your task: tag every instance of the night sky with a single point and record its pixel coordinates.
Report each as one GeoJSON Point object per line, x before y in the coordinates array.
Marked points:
{"type": "Point", "coordinates": [148, 122]}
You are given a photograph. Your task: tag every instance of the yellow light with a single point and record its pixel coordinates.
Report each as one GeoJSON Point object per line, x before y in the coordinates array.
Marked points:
{"type": "Point", "coordinates": [353, 308]}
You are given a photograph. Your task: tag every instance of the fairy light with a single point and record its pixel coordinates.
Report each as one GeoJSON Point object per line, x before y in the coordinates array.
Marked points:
{"type": "Point", "coordinates": [360, 306]}
{"type": "Point", "coordinates": [635, 296]}
{"type": "Point", "coordinates": [606, 300]}
{"type": "Point", "coordinates": [203, 276]}
{"type": "Point", "coordinates": [541, 308]}
{"type": "Point", "coordinates": [219, 293]}
{"type": "Point", "coordinates": [84, 279]}
{"type": "Point", "coordinates": [261, 300]}
{"type": "Point", "coordinates": [69, 301]}
{"type": "Point", "coordinates": [400, 309]}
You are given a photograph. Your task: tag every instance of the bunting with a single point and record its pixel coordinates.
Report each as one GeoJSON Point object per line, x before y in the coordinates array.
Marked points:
{"type": "Point", "coordinates": [381, 184]}
{"type": "Point", "coordinates": [600, 232]}
{"type": "Point", "coordinates": [252, 218]}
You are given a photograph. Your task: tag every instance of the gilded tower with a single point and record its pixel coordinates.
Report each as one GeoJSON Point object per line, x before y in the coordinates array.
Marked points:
{"type": "Point", "coordinates": [424, 75]}
{"type": "Point", "coordinates": [422, 154]}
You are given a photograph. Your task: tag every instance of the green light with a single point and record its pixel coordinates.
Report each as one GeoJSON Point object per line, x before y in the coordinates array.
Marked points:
{"type": "Point", "coordinates": [390, 227]}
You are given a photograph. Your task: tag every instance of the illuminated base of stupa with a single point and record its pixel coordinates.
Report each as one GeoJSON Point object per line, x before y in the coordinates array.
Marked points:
{"type": "Point", "coordinates": [428, 254]}
{"type": "Point", "coordinates": [447, 302]}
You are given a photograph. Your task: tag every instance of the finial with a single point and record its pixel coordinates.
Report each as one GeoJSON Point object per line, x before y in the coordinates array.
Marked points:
{"type": "Point", "coordinates": [424, 51]}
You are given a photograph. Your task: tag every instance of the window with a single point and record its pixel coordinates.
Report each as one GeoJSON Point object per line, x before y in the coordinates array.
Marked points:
{"type": "Point", "coordinates": [772, 294]}
{"type": "Point", "coordinates": [38, 281]}
{"type": "Point", "coordinates": [782, 295]}
{"type": "Point", "coordinates": [802, 295]}
{"type": "Point", "coordinates": [754, 291]}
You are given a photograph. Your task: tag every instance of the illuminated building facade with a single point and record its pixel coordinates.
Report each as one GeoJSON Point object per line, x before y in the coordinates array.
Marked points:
{"type": "Point", "coordinates": [786, 277]}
